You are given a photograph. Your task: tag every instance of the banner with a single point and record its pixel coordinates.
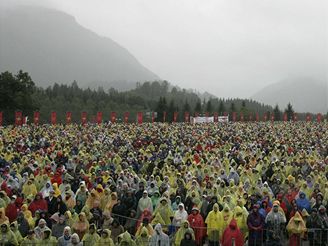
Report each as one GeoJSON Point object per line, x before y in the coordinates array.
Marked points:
{"type": "Point", "coordinates": [113, 117]}
{"type": "Point", "coordinates": [164, 116]}
{"type": "Point", "coordinates": [209, 119]}
{"type": "Point", "coordinates": [265, 117]}
{"type": "Point", "coordinates": [53, 118]}
{"type": "Point", "coordinates": [84, 118]}
{"type": "Point", "coordinates": [68, 118]}
{"type": "Point", "coordinates": [319, 117]}
{"type": "Point", "coordinates": [126, 117]}
{"type": "Point", "coordinates": [241, 116]}
{"type": "Point", "coordinates": [153, 117]}
{"type": "Point", "coordinates": [257, 117]}
{"type": "Point", "coordinates": [139, 117]}
{"type": "Point", "coordinates": [216, 117]}
{"type": "Point", "coordinates": [295, 117]}
{"type": "Point", "coordinates": [36, 118]}
{"type": "Point", "coordinates": [186, 116]}
{"type": "Point", "coordinates": [18, 118]}
{"type": "Point", "coordinates": [99, 117]}
{"type": "Point", "coordinates": [1, 118]}
{"type": "Point", "coordinates": [234, 116]}
{"type": "Point", "coordinates": [175, 116]}
{"type": "Point", "coordinates": [308, 118]}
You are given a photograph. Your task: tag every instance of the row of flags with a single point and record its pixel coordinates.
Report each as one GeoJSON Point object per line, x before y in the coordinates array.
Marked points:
{"type": "Point", "coordinates": [20, 119]}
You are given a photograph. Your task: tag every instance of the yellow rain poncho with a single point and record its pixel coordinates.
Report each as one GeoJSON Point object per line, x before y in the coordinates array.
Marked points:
{"type": "Point", "coordinates": [164, 210]}
{"type": "Point", "coordinates": [227, 216]}
{"type": "Point", "coordinates": [296, 225]}
{"type": "Point", "coordinates": [105, 239]}
{"type": "Point", "coordinates": [240, 215]}
{"type": "Point", "coordinates": [143, 238]}
{"type": "Point", "coordinates": [213, 222]}
{"type": "Point", "coordinates": [181, 232]}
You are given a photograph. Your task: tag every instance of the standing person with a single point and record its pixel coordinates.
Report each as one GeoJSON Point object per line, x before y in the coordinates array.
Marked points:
{"type": "Point", "coordinates": [65, 239]}
{"type": "Point", "coordinates": [296, 229]}
{"type": "Point", "coordinates": [314, 225]}
{"type": "Point", "coordinates": [7, 237]}
{"type": "Point", "coordinates": [75, 241]}
{"type": "Point", "coordinates": [255, 223]}
{"type": "Point", "coordinates": [275, 223]}
{"type": "Point", "coordinates": [30, 240]}
{"type": "Point", "coordinates": [213, 222]}
{"type": "Point", "coordinates": [144, 203]}
{"type": "Point", "coordinates": [232, 235]}
{"type": "Point", "coordinates": [159, 238]}
{"type": "Point", "coordinates": [188, 240]}
{"type": "Point", "coordinates": [197, 224]}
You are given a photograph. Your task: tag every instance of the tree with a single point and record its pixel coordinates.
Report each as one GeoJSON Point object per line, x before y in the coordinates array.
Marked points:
{"type": "Point", "coordinates": [277, 113]}
{"type": "Point", "coordinates": [161, 107]}
{"type": "Point", "coordinates": [232, 107]}
{"type": "Point", "coordinates": [186, 107]}
{"type": "Point", "coordinates": [170, 111]}
{"type": "Point", "coordinates": [289, 111]}
{"type": "Point", "coordinates": [198, 107]}
{"type": "Point", "coordinates": [209, 107]}
{"type": "Point", "coordinates": [221, 108]}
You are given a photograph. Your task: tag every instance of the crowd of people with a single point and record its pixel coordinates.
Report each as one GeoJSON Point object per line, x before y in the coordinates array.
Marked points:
{"type": "Point", "coordinates": [164, 184]}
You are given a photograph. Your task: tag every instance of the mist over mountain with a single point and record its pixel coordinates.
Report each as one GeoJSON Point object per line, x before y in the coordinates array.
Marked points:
{"type": "Point", "coordinates": [53, 47]}
{"type": "Point", "coordinates": [305, 94]}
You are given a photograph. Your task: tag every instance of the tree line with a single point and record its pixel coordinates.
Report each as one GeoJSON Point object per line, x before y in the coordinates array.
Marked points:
{"type": "Point", "coordinates": [18, 92]}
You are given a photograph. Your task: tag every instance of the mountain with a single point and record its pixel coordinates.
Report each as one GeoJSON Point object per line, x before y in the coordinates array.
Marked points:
{"type": "Point", "coordinates": [305, 95]}
{"type": "Point", "coordinates": [53, 47]}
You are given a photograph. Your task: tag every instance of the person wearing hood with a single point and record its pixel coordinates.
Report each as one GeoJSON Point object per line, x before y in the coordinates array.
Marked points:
{"type": "Point", "coordinates": [29, 188]}
{"type": "Point", "coordinates": [255, 223]}
{"type": "Point", "coordinates": [188, 239]}
{"type": "Point", "coordinates": [227, 216]}
{"type": "Point", "coordinates": [144, 203]}
{"type": "Point", "coordinates": [38, 204]}
{"type": "Point", "coordinates": [30, 240]}
{"type": "Point", "coordinates": [313, 223]}
{"type": "Point", "coordinates": [159, 237]}
{"type": "Point", "coordinates": [175, 204]}
{"type": "Point", "coordinates": [23, 225]}
{"type": "Point", "coordinates": [143, 237]}
{"type": "Point", "coordinates": [296, 229]}
{"type": "Point", "coordinates": [116, 229]}
{"type": "Point", "coordinates": [7, 237]}
{"type": "Point", "coordinates": [75, 240]}
{"type": "Point", "coordinates": [80, 227]}
{"type": "Point", "coordinates": [197, 224]}
{"type": "Point", "coordinates": [12, 210]}
{"type": "Point", "coordinates": [105, 238]}
{"type": "Point", "coordinates": [14, 229]}
{"type": "Point", "coordinates": [42, 226]}
{"type": "Point", "coordinates": [302, 202]}
{"type": "Point", "coordinates": [180, 215]}
{"type": "Point", "coordinates": [125, 239]}
{"type": "Point", "coordinates": [213, 222]}
{"type": "Point", "coordinates": [59, 226]}
{"type": "Point", "coordinates": [3, 217]}
{"type": "Point", "coordinates": [28, 215]}
{"type": "Point", "coordinates": [47, 239]}
{"type": "Point", "coordinates": [164, 211]}
{"type": "Point", "coordinates": [240, 215]}
{"type": "Point", "coordinates": [46, 189]}
{"type": "Point", "coordinates": [65, 239]}
{"type": "Point", "coordinates": [323, 221]}
{"type": "Point", "coordinates": [275, 223]}
{"type": "Point", "coordinates": [232, 235]}
{"type": "Point", "coordinates": [181, 232]}
{"type": "Point", "coordinates": [91, 236]}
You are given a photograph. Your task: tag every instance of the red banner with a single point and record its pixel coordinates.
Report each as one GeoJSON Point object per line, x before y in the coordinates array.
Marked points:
{"type": "Point", "coordinates": [84, 118]}
{"type": "Point", "coordinates": [295, 117]}
{"type": "Point", "coordinates": [265, 117]}
{"type": "Point", "coordinates": [257, 117]}
{"type": "Point", "coordinates": [241, 116]}
{"type": "Point", "coordinates": [164, 116]}
{"type": "Point", "coordinates": [36, 118]}
{"type": "Point", "coordinates": [186, 116]}
{"type": "Point", "coordinates": [153, 117]}
{"type": "Point", "coordinates": [113, 117]}
{"type": "Point", "coordinates": [175, 116]}
{"type": "Point", "coordinates": [234, 116]}
{"type": "Point", "coordinates": [126, 117]}
{"type": "Point", "coordinates": [53, 118]}
{"type": "Point", "coordinates": [285, 117]}
{"type": "Point", "coordinates": [216, 117]}
{"type": "Point", "coordinates": [99, 117]}
{"type": "Point", "coordinates": [308, 118]}
{"type": "Point", "coordinates": [319, 117]}
{"type": "Point", "coordinates": [139, 117]}
{"type": "Point", "coordinates": [18, 118]}
{"type": "Point", "coordinates": [68, 118]}
{"type": "Point", "coordinates": [1, 118]}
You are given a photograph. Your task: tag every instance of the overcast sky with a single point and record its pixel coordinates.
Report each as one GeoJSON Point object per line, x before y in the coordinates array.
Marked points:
{"type": "Point", "coordinates": [227, 47]}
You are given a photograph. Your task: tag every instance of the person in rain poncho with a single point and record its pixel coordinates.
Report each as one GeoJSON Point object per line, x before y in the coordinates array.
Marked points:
{"type": "Point", "coordinates": [48, 239]}
{"type": "Point", "coordinates": [75, 241]}
{"type": "Point", "coordinates": [14, 229]}
{"type": "Point", "coordinates": [302, 202]}
{"type": "Point", "coordinates": [30, 240]}
{"type": "Point", "coordinates": [240, 215]}
{"type": "Point", "coordinates": [81, 226]}
{"type": "Point", "coordinates": [159, 237]}
{"type": "Point", "coordinates": [3, 217]}
{"type": "Point", "coordinates": [105, 238]}
{"type": "Point", "coordinates": [275, 222]}
{"type": "Point", "coordinates": [188, 240]}
{"type": "Point", "coordinates": [65, 239]}
{"type": "Point", "coordinates": [180, 215]}
{"type": "Point", "coordinates": [181, 232]}
{"type": "Point", "coordinates": [213, 222]}
{"type": "Point", "coordinates": [42, 226]}
{"type": "Point", "coordinates": [227, 216]}
{"type": "Point", "coordinates": [196, 222]}
{"type": "Point", "coordinates": [164, 211]}
{"type": "Point", "coordinates": [255, 223]}
{"type": "Point", "coordinates": [7, 237]}
{"type": "Point", "coordinates": [144, 203]}
{"type": "Point", "coordinates": [143, 238]}
{"type": "Point", "coordinates": [296, 229]}
{"type": "Point", "coordinates": [91, 236]}
{"type": "Point", "coordinates": [232, 235]}
{"type": "Point", "coordinates": [126, 240]}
